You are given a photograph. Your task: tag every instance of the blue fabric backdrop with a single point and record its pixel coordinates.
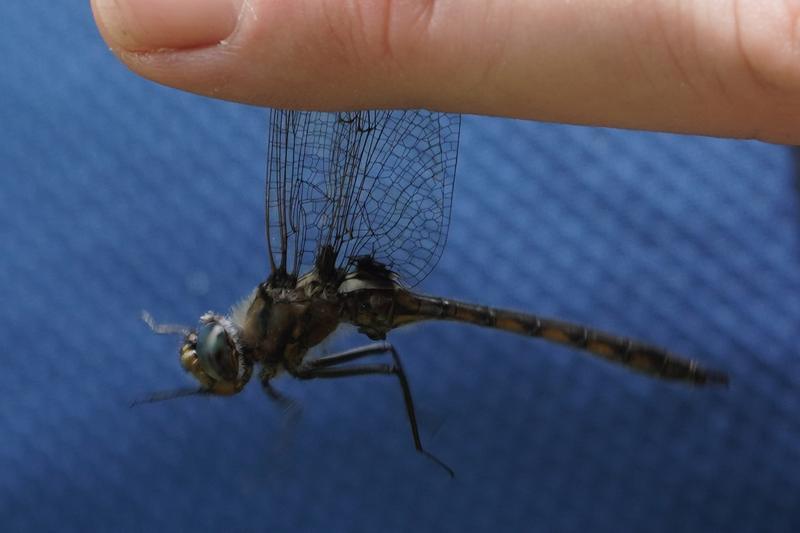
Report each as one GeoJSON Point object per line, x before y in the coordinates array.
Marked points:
{"type": "Point", "coordinates": [119, 195]}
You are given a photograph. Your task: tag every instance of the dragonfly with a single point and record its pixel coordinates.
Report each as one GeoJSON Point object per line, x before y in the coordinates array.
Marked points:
{"type": "Point", "coordinates": [357, 210]}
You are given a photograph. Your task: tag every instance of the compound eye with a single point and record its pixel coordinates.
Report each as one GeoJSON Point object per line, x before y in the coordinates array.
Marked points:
{"type": "Point", "coordinates": [215, 353]}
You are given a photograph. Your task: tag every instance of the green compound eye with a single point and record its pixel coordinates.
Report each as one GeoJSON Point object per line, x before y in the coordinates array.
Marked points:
{"type": "Point", "coordinates": [215, 353]}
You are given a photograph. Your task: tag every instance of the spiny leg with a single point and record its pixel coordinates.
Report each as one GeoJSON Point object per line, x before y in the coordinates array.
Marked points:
{"type": "Point", "coordinates": [265, 377]}
{"type": "Point", "coordinates": [352, 355]}
{"type": "Point", "coordinates": [290, 408]}
{"type": "Point", "coordinates": [327, 367]}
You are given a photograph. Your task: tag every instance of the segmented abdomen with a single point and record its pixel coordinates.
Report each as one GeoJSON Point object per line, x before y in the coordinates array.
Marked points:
{"type": "Point", "coordinates": [636, 355]}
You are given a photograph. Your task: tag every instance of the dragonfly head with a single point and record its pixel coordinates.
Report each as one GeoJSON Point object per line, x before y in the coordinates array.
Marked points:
{"type": "Point", "coordinates": [213, 355]}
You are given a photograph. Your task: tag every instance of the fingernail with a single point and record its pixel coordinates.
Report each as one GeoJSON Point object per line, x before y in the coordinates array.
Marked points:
{"type": "Point", "coordinates": [156, 24]}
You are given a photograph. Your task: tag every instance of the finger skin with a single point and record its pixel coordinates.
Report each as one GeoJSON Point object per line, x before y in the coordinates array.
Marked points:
{"type": "Point", "coordinates": [714, 67]}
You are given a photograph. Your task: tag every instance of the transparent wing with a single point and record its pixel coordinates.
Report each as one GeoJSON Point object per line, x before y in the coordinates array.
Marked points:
{"type": "Point", "coordinates": [374, 183]}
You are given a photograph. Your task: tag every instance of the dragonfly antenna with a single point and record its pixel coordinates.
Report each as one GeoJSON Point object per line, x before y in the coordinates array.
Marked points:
{"type": "Point", "coordinates": [164, 329]}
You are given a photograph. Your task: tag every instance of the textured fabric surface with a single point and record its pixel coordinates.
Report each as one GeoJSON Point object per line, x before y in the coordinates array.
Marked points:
{"type": "Point", "coordinates": [119, 195]}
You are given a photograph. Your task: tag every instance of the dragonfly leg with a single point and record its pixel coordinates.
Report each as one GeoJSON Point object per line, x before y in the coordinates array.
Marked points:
{"type": "Point", "coordinates": [327, 367]}
{"type": "Point", "coordinates": [290, 408]}
{"type": "Point", "coordinates": [351, 355]}
{"type": "Point", "coordinates": [288, 405]}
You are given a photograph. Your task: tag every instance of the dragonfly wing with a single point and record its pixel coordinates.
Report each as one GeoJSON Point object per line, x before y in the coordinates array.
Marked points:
{"type": "Point", "coordinates": [376, 183]}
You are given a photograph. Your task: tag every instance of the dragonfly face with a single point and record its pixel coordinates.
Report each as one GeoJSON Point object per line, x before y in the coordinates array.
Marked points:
{"type": "Point", "coordinates": [213, 357]}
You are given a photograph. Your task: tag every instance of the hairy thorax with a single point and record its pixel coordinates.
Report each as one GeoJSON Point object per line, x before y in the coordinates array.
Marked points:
{"type": "Point", "coordinates": [281, 324]}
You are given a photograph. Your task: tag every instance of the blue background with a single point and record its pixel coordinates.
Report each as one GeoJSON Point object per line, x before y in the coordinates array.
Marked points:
{"type": "Point", "coordinates": [120, 195]}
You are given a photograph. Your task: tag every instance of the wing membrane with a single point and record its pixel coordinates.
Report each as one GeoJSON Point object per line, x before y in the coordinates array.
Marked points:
{"type": "Point", "coordinates": [374, 183]}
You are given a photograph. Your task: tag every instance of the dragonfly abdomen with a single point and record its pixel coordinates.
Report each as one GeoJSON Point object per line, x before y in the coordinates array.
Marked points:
{"type": "Point", "coordinates": [639, 356]}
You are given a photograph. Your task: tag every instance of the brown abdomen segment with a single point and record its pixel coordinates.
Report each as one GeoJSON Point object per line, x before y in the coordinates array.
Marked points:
{"type": "Point", "coordinates": [636, 355]}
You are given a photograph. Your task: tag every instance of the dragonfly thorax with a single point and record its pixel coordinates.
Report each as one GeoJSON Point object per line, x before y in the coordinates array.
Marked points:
{"type": "Point", "coordinates": [280, 324]}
